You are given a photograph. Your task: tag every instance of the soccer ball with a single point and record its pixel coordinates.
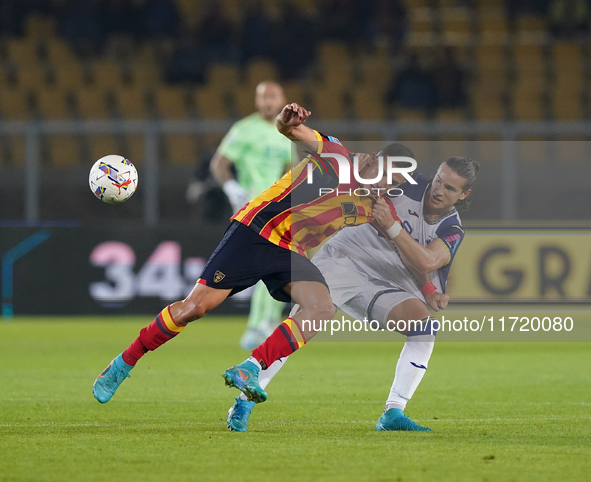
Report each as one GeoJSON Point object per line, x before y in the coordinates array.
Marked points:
{"type": "Point", "coordinates": [113, 179]}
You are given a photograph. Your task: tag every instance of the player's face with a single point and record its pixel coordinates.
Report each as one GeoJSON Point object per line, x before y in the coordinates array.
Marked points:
{"type": "Point", "coordinates": [269, 100]}
{"type": "Point", "coordinates": [446, 190]}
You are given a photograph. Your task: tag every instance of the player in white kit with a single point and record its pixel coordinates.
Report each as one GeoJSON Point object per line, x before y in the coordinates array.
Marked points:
{"type": "Point", "coordinates": [390, 270]}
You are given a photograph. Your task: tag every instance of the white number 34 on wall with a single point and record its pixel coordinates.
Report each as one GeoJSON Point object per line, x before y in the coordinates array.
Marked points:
{"type": "Point", "coordinates": [164, 274]}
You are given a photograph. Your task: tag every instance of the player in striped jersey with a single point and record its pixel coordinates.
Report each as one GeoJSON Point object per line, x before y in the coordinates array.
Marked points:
{"type": "Point", "coordinates": [267, 240]}
{"type": "Point", "coordinates": [390, 270]}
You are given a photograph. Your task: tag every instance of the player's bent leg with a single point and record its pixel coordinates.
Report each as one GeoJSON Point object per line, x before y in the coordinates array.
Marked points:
{"type": "Point", "coordinates": [168, 324]}
{"type": "Point", "coordinates": [410, 309]}
{"type": "Point", "coordinates": [174, 318]}
{"type": "Point", "coordinates": [315, 302]}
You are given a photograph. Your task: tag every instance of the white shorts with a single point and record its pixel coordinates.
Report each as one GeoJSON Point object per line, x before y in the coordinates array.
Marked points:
{"type": "Point", "coordinates": [376, 307]}
{"type": "Point", "coordinates": [354, 291]}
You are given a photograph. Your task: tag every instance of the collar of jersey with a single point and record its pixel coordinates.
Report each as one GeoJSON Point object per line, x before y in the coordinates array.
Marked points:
{"type": "Point", "coordinates": [435, 221]}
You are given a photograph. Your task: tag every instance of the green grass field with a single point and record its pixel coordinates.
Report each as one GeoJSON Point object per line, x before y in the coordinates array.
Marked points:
{"type": "Point", "coordinates": [500, 412]}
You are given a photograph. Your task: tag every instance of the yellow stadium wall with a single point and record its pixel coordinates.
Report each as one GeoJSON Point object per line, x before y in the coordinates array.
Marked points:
{"type": "Point", "coordinates": [522, 265]}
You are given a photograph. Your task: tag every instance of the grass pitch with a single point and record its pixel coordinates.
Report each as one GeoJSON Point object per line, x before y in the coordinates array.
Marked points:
{"type": "Point", "coordinates": [499, 411]}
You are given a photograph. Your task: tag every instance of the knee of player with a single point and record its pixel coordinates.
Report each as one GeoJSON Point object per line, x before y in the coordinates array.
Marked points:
{"type": "Point", "coordinates": [325, 310]}
{"type": "Point", "coordinates": [195, 309]}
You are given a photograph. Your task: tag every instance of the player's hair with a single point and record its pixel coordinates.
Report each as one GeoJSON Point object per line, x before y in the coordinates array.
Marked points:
{"type": "Point", "coordinates": [399, 150]}
{"type": "Point", "coordinates": [466, 168]}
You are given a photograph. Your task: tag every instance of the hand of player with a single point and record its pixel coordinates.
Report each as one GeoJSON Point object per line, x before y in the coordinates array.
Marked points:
{"type": "Point", "coordinates": [385, 213]}
{"type": "Point", "coordinates": [437, 301]}
{"type": "Point", "coordinates": [364, 159]}
{"type": "Point", "coordinates": [293, 115]}
{"type": "Point", "coordinates": [236, 194]}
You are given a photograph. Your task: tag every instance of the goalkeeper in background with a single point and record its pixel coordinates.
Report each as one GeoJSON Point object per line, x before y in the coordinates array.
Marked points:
{"type": "Point", "coordinates": [260, 156]}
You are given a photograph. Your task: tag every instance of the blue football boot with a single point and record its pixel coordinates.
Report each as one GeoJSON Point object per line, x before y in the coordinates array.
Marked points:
{"type": "Point", "coordinates": [394, 419]}
{"type": "Point", "coordinates": [245, 377]}
{"type": "Point", "coordinates": [238, 415]}
{"type": "Point", "coordinates": [108, 382]}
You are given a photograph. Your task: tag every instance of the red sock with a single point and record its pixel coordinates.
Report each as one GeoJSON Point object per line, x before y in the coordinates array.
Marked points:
{"type": "Point", "coordinates": [162, 329]}
{"type": "Point", "coordinates": [286, 339]}
{"type": "Point", "coordinates": [134, 352]}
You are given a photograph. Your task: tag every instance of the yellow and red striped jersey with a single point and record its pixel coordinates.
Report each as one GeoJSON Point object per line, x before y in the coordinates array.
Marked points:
{"type": "Point", "coordinates": [293, 214]}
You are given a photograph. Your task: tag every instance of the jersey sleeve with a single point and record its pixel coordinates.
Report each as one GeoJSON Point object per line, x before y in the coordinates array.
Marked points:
{"type": "Point", "coordinates": [451, 234]}
{"type": "Point", "coordinates": [329, 164]}
{"type": "Point", "coordinates": [331, 144]}
{"type": "Point", "coordinates": [234, 145]}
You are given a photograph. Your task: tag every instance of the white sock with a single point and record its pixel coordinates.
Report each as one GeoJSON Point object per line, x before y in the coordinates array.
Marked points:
{"type": "Point", "coordinates": [255, 361]}
{"type": "Point", "coordinates": [410, 369]}
{"type": "Point", "coordinates": [265, 376]}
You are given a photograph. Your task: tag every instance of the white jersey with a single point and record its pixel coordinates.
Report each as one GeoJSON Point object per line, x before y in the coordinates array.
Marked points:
{"type": "Point", "coordinates": [367, 251]}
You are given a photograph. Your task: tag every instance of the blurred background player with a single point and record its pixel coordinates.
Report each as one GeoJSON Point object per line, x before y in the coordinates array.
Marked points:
{"type": "Point", "coordinates": [260, 155]}
{"type": "Point", "coordinates": [390, 270]}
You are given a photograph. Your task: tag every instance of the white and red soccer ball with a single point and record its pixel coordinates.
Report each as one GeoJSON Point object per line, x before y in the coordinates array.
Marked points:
{"type": "Point", "coordinates": [113, 179]}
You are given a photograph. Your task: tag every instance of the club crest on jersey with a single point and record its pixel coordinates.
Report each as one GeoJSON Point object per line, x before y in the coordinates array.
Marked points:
{"type": "Point", "coordinates": [218, 276]}
{"type": "Point", "coordinates": [349, 213]}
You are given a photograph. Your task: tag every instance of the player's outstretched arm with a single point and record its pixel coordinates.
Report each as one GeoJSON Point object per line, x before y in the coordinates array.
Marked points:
{"type": "Point", "coordinates": [424, 259]}
{"type": "Point", "coordinates": [290, 122]}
